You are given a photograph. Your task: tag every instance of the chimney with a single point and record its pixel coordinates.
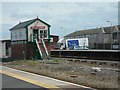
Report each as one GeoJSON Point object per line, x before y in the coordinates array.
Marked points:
{"type": "Point", "coordinates": [37, 17]}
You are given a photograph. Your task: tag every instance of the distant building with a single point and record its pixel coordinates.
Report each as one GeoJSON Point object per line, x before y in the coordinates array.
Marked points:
{"type": "Point", "coordinates": [116, 38]}
{"type": "Point", "coordinates": [5, 47]}
{"type": "Point", "coordinates": [23, 44]}
{"type": "Point", "coordinates": [98, 38]}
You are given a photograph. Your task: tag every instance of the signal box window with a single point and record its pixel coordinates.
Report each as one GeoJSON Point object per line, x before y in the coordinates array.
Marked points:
{"type": "Point", "coordinates": [43, 33]}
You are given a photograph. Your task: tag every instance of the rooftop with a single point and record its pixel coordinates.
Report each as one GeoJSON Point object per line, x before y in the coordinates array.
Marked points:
{"type": "Point", "coordinates": [106, 30]}
{"type": "Point", "coordinates": [26, 23]}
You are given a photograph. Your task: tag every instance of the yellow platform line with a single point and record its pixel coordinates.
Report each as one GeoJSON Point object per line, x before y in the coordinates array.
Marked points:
{"type": "Point", "coordinates": [50, 87]}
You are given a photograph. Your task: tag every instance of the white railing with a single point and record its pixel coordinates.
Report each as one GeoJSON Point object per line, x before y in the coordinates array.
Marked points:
{"type": "Point", "coordinates": [40, 51]}
{"type": "Point", "coordinates": [46, 50]}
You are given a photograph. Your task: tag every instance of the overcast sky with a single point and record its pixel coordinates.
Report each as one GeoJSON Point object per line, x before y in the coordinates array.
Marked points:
{"type": "Point", "coordinates": [72, 16]}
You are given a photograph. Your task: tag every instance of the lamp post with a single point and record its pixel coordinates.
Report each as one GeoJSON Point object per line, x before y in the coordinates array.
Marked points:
{"type": "Point", "coordinates": [60, 46]}
{"type": "Point", "coordinates": [110, 31]}
{"type": "Point", "coordinates": [64, 31]}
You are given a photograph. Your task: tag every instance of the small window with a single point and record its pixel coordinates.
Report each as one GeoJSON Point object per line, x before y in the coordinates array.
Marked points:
{"type": "Point", "coordinates": [15, 35]}
{"type": "Point", "coordinates": [41, 34]}
{"type": "Point", "coordinates": [20, 35]}
{"type": "Point", "coordinates": [115, 35]}
{"type": "Point", "coordinates": [45, 34]}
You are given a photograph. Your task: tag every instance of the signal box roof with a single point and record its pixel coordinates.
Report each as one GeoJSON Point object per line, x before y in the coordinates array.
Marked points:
{"type": "Point", "coordinates": [26, 23]}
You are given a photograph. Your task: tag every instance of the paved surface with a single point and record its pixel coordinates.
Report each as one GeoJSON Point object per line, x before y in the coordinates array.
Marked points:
{"type": "Point", "coordinates": [10, 82]}
{"type": "Point", "coordinates": [41, 81]}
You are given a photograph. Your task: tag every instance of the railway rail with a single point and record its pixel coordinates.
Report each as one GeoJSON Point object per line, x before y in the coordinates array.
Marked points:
{"type": "Point", "coordinates": [111, 55]}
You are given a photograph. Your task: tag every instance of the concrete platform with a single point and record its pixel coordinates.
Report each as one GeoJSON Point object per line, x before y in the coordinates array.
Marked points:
{"type": "Point", "coordinates": [42, 81]}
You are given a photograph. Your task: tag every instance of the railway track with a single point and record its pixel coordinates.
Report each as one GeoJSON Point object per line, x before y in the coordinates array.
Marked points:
{"type": "Point", "coordinates": [111, 55]}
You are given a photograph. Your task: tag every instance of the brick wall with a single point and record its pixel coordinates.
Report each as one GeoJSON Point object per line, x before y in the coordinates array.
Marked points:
{"type": "Point", "coordinates": [18, 51]}
{"type": "Point", "coordinates": [26, 51]}
{"type": "Point", "coordinates": [30, 51]}
{"type": "Point", "coordinates": [22, 51]}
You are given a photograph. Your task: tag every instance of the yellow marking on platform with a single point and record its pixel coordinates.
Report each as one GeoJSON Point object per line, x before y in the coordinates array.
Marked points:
{"type": "Point", "coordinates": [50, 87]}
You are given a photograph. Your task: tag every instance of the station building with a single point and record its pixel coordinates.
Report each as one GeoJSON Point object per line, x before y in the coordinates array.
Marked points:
{"type": "Point", "coordinates": [24, 36]}
{"type": "Point", "coordinates": [99, 38]}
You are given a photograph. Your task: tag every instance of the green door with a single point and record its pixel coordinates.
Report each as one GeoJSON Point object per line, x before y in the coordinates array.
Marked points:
{"type": "Point", "coordinates": [36, 51]}
{"type": "Point", "coordinates": [35, 33]}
